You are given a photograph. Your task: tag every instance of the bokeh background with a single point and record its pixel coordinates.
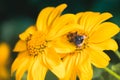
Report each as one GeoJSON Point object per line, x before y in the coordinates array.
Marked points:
{"type": "Point", "coordinates": [17, 15]}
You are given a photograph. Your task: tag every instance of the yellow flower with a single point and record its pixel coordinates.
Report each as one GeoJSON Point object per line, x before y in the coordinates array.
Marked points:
{"type": "Point", "coordinates": [4, 55]}
{"type": "Point", "coordinates": [85, 46]}
{"type": "Point", "coordinates": [36, 45]}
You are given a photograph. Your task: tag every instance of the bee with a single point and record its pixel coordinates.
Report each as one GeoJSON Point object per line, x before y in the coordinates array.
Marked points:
{"type": "Point", "coordinates": [75, 38]}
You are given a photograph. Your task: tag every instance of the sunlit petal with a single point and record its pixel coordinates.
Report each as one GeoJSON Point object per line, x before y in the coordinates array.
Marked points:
{"type": "Point", "coordinates": [20, 58]}
{"type": "Point", "coordinates": [38, 71]}
{"type": "Point", "coordinates": [25, 35]}
{"type": "Point", "coordinates": [89, 20]}
{"type": "Point", "coordinates": [66, 21]}
{"type": "Point", "coordinates": [52, 60]}
{"type": "Point", "coordinates": [22, 68]}
{"type": "Point", "coordinates": [47, 17]}
{"type": "Point", "coordinates": [20, 46]}
{"type": "Point", "coordinates": [42, 19]}
{"type": "Point", "coordinates": [56, 13]}
{"type": "Point", "coordinates": [109, 44]}
{"type": "Point", "coordinates": [69, 62]}
{"type": "Point", "coordinates": [4, 53]}
{"type": "Point", "coordinates": [98, 58]}
{"type": "Point", "coordinates": [63, 46]}
{"type": "Point", "coordinates": [106, 30]}
{"type": "Point", "coordinates": [85, 71]}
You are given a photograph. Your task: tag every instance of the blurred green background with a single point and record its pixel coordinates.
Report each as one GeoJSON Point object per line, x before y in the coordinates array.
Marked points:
{"type": "Point", "coordinates": [17, 15]}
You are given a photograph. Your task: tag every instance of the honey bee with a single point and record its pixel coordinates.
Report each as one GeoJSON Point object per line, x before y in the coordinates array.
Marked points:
{"type": "Point", "coordinates": [75, 38]}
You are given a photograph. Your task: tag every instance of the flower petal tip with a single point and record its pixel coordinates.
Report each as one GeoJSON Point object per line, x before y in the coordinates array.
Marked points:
{"type": "Point", "coordinates": [63, 5]}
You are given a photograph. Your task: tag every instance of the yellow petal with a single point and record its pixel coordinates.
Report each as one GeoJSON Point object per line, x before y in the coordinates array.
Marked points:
{"type": "Point", "coordinates": [53, 62]}
{"type": "Point", "coordinates": [82, 56]}
{"type": "Point", "coordinates": [4, 73]}
{"type": "Point", "coordinates": [66, 29]}
{"type": "Point", "coordinates": [85, 71]}
{"type": "Point", "coordinates": [20, 46]}
{"type": "Point", "coordinates": [29, 75]}
{"type": "Point", "coordinates": [25, 35]}
{"type": "Point", "coordinates": [20, 58]}
{"type": "Point", "coordinates": [38, 71]}
{"type": "Point", "coordinates": [47, 17]}
{"type": "Point", "coordinates": [98, 58]}
{"type": "Point", "coordinates": [109, 44]}
{"type": "Point", "coordinates": [42, 20]}
{"type": "Point", "coordinates": [64, 24]}
{"type": "Point", "coordinates": [101, 18]}
{"type": "Point", "coordinates": [69, 62]}
{"type": "Point", "coordinates": [4, 53]}
{"type": "Point", "coordinates": [89, 20]}
{"type": "Point", "coordinates": [23, 66]}
{"type": "Point", "coordinates": [78, 18]}
{"type": "Point", "coordinates": [106, 30]}
{"type": "Point", "coordinates": [62, 45]}
{"type": "Point", "coordinates": [74, 74]}
{"type": "Point", "coordinates": [56, 13]}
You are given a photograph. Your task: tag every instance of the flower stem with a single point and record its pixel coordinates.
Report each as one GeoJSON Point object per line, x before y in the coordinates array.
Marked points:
{"type": "Point", "coordinates": [117, 53]}
{"type": "Point", "coordinates": [112, 73]}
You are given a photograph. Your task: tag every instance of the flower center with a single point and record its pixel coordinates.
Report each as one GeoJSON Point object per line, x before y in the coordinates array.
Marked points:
{"type": "Point", "coordinates": [34, 50]}
{"type": "Point", "coordinates": [36, 44]}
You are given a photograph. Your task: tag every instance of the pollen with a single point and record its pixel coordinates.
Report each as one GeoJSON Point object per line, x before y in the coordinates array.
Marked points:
{"type": "Point", "coordinates": [36, 44]}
